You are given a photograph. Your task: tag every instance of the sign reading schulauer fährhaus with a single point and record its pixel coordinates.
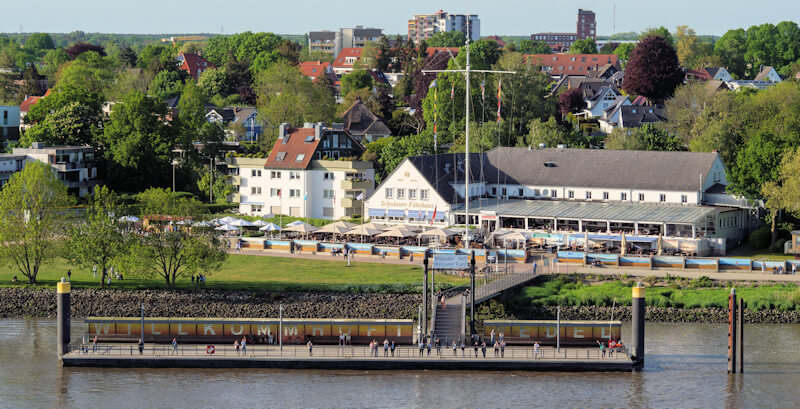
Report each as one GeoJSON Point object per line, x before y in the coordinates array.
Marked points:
{"type": "Point", "coordinates": [450, 262]}
{"type": "Point", "coordinates": [394, 204]}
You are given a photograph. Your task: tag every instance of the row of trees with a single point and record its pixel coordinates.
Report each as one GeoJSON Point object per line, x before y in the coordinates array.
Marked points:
{"type": "Point", "coordinates": [33, 218]}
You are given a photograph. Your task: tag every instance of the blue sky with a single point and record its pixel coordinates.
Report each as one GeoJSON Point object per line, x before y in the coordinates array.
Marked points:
{"type": "Point", "coordinates": [512, 17]}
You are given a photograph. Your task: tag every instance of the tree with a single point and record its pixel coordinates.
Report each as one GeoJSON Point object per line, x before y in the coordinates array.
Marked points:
{"type": "Point", "coordinates": [686, 45]}
{"type": "Point", "coordinates": [191, 108]}
{"type": "Point", "coordinates": [31, 84]}
{"type": "Point", "coordinates": [685, 108]}
{"type": "Point", "coordinates": [39, 42]}
{"type": "Point", "coordinates": [583, 46]}
{"type": "Point", "coordinates": [98, 239]}
{"type": "Point", "coordinates": [128, 57]}
{"type": "Point", "coordinates": [756, 164]}
{"type": "Point", "coordinates": [624, 50]}
{"type": "Point", "coordinates": [658, 32]}
{"type": "Point", "coordinates": [398, 149]}
{"type": "Point", "coordinates": [447, 39]}
{"type": "Point", "coordinates": [571, 101]}
{"type": "Point", "coordinates": [31, 217]}
{"type": "Point", "coordinates": [285, 95]}
{"type": "Point", "coordinates": [156, 57]}
{"type": "Point", "coordinates": [73, 124]}
{"type": "Point", "coordinates": [172, 252]}
{"type": "Point", "coordinates": [653, 70]}
{"type": "Point", "coordinates": [534, 47]}
{"type": "Point", "coordinates": [731, 48]}
{"type": "Point", "coordinates": [625, 139]}
{"type": "Point", "coordinates": [357, 79]}
{"type": "Point", "coordinates": [138, 143]}
{"type": "Point", "coordinates": [166, 84]}
{"type": "Point", "coordinates": [549, 133]}
{"type": "Point", "coordinates": [784, 192]}
{"type": "Point", "coordinates": [213, 81]}
{"type": "Point", "coordinates": [238, 74]}
{"type": "Point", "coordinates": [52, 61]}
{"type": "Point", "coordinates": [221, 189]}
{"type": "Point", "coordinates": [89, 71]}
{"type": "Point", "coordinates": [384, 55]}
{"type": "Point", "coordinates": [79, 48]}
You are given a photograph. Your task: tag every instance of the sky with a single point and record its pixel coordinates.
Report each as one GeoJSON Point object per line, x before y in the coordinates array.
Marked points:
{"type": "Point", "coordinates": [503, 17]}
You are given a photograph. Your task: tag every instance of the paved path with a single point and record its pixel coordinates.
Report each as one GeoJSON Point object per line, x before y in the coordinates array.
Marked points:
{"type": "Point", "coordinates": [658, 272]}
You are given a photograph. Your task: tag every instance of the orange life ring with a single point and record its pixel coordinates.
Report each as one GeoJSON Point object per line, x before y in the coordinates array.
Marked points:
{"type": "Point", "coordinates": [210, 350]}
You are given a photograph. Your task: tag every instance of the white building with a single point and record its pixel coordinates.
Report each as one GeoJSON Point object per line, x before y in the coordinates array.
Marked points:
{"type": "Point", "coordinates": [73, 165]}
{"type": "Point", "coordinates": [9, 122]}
{"type": "Point", "coordinates": [312, 171]}
{"type": "Point", "coordinates": [424, 26]}
{"type": "Point", "coordinates": [672, 193]}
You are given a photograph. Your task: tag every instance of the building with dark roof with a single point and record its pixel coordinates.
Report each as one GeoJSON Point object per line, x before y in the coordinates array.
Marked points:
{"type": "Point", "coordinates": [363, 124]}
{"type": "Point", "coordinates": [672, 193]}
{"type": "Point", "coordinates": [311, 171]}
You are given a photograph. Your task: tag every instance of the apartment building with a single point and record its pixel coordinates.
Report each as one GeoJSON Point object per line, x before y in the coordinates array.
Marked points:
{"type": "Point", "coordinates": [313, 171]}
{"type": "Point", "coordinates": [424, 26]}
{"type": "Point", "coordinates": [73, 165]}
{"type": "Point", "coordinates": [586, 28]}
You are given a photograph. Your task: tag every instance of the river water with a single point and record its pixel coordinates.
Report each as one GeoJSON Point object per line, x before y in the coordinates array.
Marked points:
{"type": "Point", "coordinates": [685, 366]}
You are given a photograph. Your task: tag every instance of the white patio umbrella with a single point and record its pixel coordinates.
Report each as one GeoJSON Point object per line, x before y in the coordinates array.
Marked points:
{"type": "Point", "coordinates": [438, 232]}
{"type": "Point", "coordinates": [334, 228]}
{"type": "Point", "coordinates": [270, 227]}
{"type": "Point", "coordinates": [241, 223]}
{"type": "Point", "coordinates": [397, 233]}
{"type": "Point", "coordinates": [129, 219]}
{"type": "Point", "coordinates": [227, 220]}
{"type": "Point", "coordinates": [260, 223]}
{"type": "Point", "coordinates": [203, 224]}
{"type": "Point", "coordinates": [301, 228]}
{"type": "Point", "coordinates": [364, 230]}
{"type": "Point", "coordinates": [294, 223]}
{"type": "Point", "coordinates": [227, 227]}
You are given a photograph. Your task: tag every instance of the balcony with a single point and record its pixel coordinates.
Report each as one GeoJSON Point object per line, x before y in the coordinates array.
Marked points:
{"type": "Point", "coordinates": [243, 162]}
{"type": "Point", "coordinates": [233, 180]}
{"type": "Point", "coordinates": [234, 198]}
{"type": "Point", "coordinates": [356, 184]}
{"type": "Point", "coordinates": [353, 203]}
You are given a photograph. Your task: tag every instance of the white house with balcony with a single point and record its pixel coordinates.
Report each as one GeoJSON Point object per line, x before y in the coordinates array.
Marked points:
{"type": "Point", "coordinates": [73, 165]}
{"type": "Point", "coordinates": [312, 171]}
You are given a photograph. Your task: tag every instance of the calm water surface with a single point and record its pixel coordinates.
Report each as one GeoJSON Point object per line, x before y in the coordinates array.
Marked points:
{"type": "Point", "coordinates": [685, 367]}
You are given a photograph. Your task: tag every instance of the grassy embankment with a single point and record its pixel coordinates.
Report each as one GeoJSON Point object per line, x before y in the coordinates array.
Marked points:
{"type": "Point", "coordinates": [661, 292]}
{"type": "Point", "coordinates": [252, 273]}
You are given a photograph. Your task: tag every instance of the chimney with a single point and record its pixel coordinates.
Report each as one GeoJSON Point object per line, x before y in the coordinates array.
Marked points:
{"type": "Point", "coordinates": [283, 130]}
{"type": "Point", "coordinates": [319, 128]}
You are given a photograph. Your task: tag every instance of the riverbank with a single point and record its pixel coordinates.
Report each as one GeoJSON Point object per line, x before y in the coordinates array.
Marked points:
{"type": "Point", "coordinates": [41, 303]}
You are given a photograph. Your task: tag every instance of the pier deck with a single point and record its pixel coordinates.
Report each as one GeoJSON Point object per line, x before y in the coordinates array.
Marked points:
{"type": "Point", "coordinates": [354, 358]}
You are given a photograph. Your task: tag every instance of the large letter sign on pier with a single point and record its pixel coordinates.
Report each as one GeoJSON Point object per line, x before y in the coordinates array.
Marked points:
{"type": "Point", "coordinates": [450, 262]}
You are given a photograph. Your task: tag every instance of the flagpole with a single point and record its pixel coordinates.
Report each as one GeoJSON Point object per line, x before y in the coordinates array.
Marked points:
{"type": "Point", "coordinates": [466, 167]}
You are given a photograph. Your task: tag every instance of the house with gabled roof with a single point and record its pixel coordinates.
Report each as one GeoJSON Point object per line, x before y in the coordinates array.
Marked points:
{"type": "Point", "coordinates": [363, 124]}
{"type": "Point", "coordinates": [194, 64]}
{"type": "Point", "coordinates": [343, 64]}
{"type": "Point", "coordinates": [313, 171]}
{"type": "Point", "coordinates": [708, 74]}
{"type": "Point", "coordinates": [315, 70]}
{"type": "Point", "coordinates": [557, 65]}
{"type": "Point", "coordinates": [768, 74]}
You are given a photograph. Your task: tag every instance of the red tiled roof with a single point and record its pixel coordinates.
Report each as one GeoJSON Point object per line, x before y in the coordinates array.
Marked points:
{"type": "Point", "coordinates": [26, 105]}
{"type": "Point", "coordinates": [498, 40]}
{"type": "Point", "coordinates": [572, 64]}
{"type": "Point", "coordinates": [700, 75]}
{"type": "Point", "coordinates": [435, 50]}
{"type": "Point", "coordinates": [296, 145]}
{"type": "Point", "coordinates": [341, 59]}
{"type": "Point", "coordinates": [195, 64]}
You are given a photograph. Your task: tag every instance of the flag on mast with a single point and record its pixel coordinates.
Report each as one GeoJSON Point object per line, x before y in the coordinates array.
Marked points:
{"type": "Point", "coordinates": [499, 97]}
{"type": "Point", "coordinates": [483, 90]}
{"type": "Point", "coordinates": [435, 100]}
{"type": "Point", "coordinates": [434, 215]}
{"type": "Point", "coordinates": [453, 91]}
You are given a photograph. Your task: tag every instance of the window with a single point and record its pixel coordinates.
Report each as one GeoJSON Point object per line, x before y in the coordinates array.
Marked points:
{"type": "Point", "coordinates": [274, 192]}
{"type": "Point", "coordinates": [605, 195]}
{"type": "Point", "coordinates": [662, 198]}
{"type": "Point", "coordinates": [5, 117]}
{"type": "Point", "coordinates": [327, 176]}
{"type": "Point", "coordinates": [684, 199]}
{"type": "Point", "coordinates": [256, 208]}
{"type": "Point", "coordinates": [280, 156]}
{"type": "Point", "coordinates": [423, 194]}
{"type": "Point", "coordinates": [300, 157]}
{"type": "Point", "coordinates": [401, 193]}
{"type": "Point", "coordinates": [536, 192]}
{"type": "Point", "coordinates": [623, 196]}
{"type": "Point", "coordinates": [327, 194]}
{"type": "Point", "coordinates": [494, 191]}
{"type": "Point", "coordinates": [294, 175]}
{"type": "Point", "coordinates": [274, 174]}
{"type": "Point", "coordinates": [588, 195]}
{"type": "Point", "coordinates": [553, 193]}
{"type": "Point", "coordinates": [571, 194]}
{"type": "Point", "coordinates": [641, 197]}
{"type": "Point", "coordinates": [412, 194]}
{"type": "Point", "coordinates": [255, 191]}
{"type": "Point", "coordinates": [309, 138]}
{"type": "Point", "coordinates": [521, 193]}
{"type": "Point", "coordinates": [389, 193]}
{"type": "Point", "coordinates": [294, 192]}
{"type": "Point", "coordinates": [255, 173]}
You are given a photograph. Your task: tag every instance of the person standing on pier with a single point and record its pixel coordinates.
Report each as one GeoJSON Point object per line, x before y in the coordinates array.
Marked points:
{"type": "Point", "coordinates": [492, 336]}
{"type": "Point", "coordinates": [174, 346]}
{"type": "Point", "coordinates": [310, 348]}
{"type": "Point", "coordinates": [244, 346]}
{"type": "Point", "coordinates": [385, 347]}
{"type": "Point", "coordinates": [141, 346]}
{"type": "Point", "coordinates": [476, 349]}
{"type": "Point", "coordinates": [535, 349]}
{"type": "Point", "coordinates": [502, 349]}
{"type": "Point", "coordinates": [483, 348]}
{"type": "Point", "coordinates": [236, 346]}
{"type": "Point", "coordinates": [428, 346]}
{"type": "Point", "coordinates": [438, 344]}
{"type": "Point", "coordinates": [602, 348]}
{"type": "Point", "coordinates": [496, 349]}
{"type": "Point", "coordinates": [454, 349]}
{"type": "Point", "coordinates": [392, 348]}
{"type": "Point", "coordinates": [94, 344]}
{"type": "Point", "coordinates": [463, 347]}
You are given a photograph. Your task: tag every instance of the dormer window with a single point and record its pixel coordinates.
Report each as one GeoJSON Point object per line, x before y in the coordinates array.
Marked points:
{"type": "Point", "coordinates": [300, 157]}
{"type": "Point", "coordinates": [280, 156]}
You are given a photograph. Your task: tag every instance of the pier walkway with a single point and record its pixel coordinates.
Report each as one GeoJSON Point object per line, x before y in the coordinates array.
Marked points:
{"type": "Point", "coordinates": [348, 357]}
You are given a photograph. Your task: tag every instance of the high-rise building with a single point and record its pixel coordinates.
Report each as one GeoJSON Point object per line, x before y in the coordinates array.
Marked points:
{"type": "Point", "coordinates": [332, 42]}
{"type": "Point", "coordinates": [587, 27]}
{"type": "Point", "coordinates": [424, 26]}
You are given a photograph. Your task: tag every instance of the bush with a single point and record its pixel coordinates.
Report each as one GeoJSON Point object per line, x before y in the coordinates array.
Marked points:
{"type": "Point", "coordinates": [759, 239]}
{"type": "Point", "coordinates": [214, 208]}
{"type": "Point", "coordinates": [777, 247]}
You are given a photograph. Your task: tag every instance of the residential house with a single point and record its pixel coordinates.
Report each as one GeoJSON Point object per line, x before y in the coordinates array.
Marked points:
{"type": "Point", "coordinates": [247, 116]}
{"type": "Point", "coordinates": [194, 64]}
{"type": "Point", "coordinates": [323, 41]}
{"type": "Point", "coordinates": [708, 74]}
{"type": "Point", "coordinates": [557, 65]}
{"type": "Point", "coordinates": [612, 115]}
{"type": "Point", "coordinates": [607, 96]}
{"type": "Point", "coordinates": [436, 50]}
{"type": "Point", "coordinates": [311, 171]}
{"type": "Point", "coordinates": [768, 74]}
{"type": "Point", "coordinates": [73, 165]}
{"type": "Point", "coordinates": [766, 77]}
{"type": "Point", "coordinates": [343, 64]}
{"type": "Point", "coordinates": [315, 70]}
{"type": "Point", "coordinates": [363, 124]}
{"type": "Point", "coordinates": [497, 39]}
{"type": "Point", "coordinates": [9, 122]}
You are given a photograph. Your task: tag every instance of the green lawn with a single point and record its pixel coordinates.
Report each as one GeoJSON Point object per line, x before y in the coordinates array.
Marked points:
{"type": "Point", "coordinates": [245, 272]}
{"type": "Point", "coordinates": [700, 293]}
